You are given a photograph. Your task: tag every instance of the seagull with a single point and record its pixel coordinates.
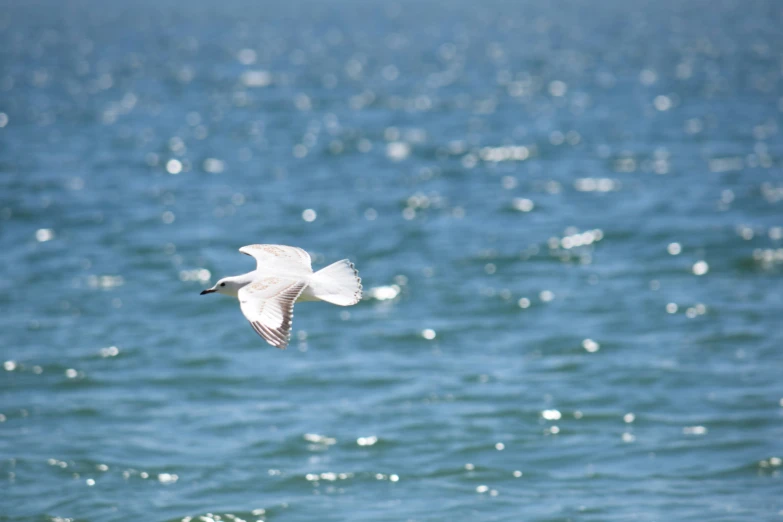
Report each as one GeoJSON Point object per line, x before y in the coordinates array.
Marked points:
{"type": "Point", "coordinates": [284, 276]}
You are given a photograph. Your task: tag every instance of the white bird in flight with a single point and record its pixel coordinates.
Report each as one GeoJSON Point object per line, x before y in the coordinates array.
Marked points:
{"type": "Point", "coordinates": [284, 277]}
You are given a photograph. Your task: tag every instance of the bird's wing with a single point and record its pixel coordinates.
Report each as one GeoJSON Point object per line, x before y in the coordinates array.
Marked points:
{"type": "Point", "coordinates": [280, 257]}
{"type": "Point", "coordinates": [268, 303]}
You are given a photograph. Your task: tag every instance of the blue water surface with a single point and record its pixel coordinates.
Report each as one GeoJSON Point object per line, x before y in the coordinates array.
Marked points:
{"type": "Point", "coordinates": [568, 217]}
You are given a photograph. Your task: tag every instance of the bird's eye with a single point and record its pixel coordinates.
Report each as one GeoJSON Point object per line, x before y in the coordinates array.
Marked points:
{"type": "Point", "coordinates": [222, 284]}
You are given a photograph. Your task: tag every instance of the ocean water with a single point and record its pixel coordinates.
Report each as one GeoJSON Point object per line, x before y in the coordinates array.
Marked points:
{"type": "Point", "coordinates": [568, 218]}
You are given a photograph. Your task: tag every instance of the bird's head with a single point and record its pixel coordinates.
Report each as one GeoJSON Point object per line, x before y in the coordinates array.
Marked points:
{"type": "Point", "coordinates": [227, 286]}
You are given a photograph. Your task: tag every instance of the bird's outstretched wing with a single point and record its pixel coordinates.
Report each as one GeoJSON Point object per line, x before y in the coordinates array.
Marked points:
{"type": "Point", "coordinates": [279, 258]}
{"type": "Point", "coordinates": [268, 303]}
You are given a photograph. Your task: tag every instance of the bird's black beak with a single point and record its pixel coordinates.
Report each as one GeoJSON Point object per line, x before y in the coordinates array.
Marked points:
{"type": "Point", "coordinates": [207, 291]}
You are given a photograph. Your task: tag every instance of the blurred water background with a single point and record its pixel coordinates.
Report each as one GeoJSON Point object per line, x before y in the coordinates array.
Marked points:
{"type": "Point", "coordinates": [568, 217]}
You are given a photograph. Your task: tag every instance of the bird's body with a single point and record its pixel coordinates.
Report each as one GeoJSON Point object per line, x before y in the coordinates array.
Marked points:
{"type": "Point", "coordinates": [283, 277]}
{"type": "Point", "coordinates": [235, 283]}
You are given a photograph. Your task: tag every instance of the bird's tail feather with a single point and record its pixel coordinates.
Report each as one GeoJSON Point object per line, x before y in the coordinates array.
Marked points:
{"type": "Point", "coordinates": [338, 283]}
